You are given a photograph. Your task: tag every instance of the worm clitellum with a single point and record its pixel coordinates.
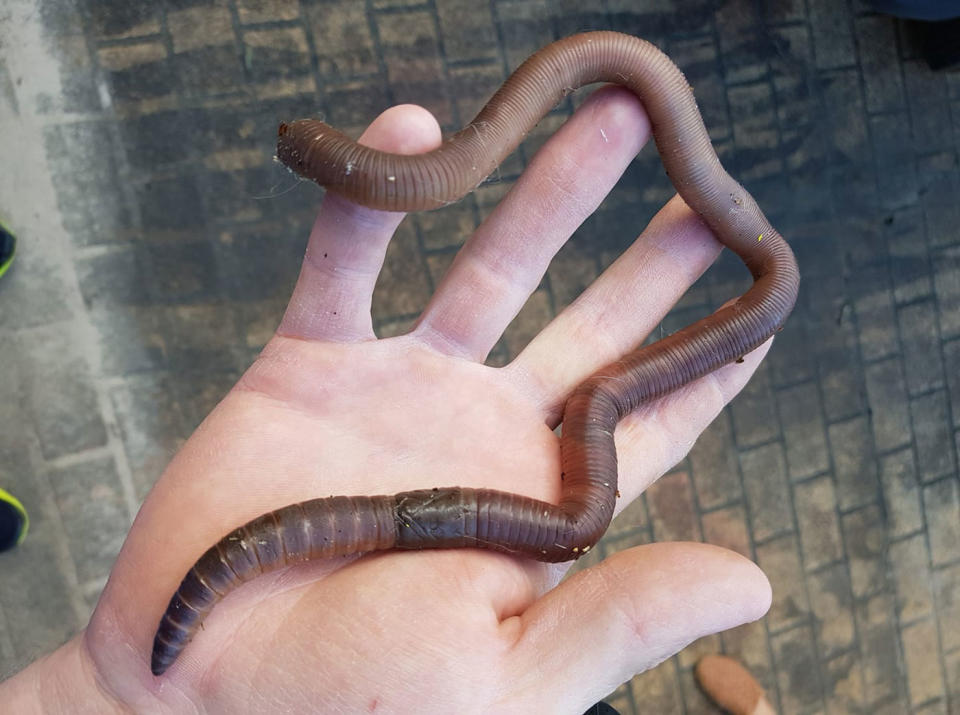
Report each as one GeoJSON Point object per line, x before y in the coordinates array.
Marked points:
{"type": "Point", "coordinates": [454, 517]}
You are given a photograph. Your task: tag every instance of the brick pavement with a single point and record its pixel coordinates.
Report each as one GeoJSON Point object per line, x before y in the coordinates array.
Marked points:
{"type": "Point", "coordinates": [174, 241]}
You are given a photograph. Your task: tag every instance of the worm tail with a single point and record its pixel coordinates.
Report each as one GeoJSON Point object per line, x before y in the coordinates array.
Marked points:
{"type": "Point", "coordinates": [316, 529]}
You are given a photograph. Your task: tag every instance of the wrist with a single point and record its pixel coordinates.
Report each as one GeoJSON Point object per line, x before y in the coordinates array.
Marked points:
{"type": "Point", "coordinates": [63, 682]}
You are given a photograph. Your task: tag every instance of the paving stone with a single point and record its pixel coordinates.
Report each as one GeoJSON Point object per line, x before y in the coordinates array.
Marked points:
{"type": "Point", "coordinates": [941, 502]}
{"type": "Point", "coordinates": [863, 532]}
{"type": "Point", "coordinates": [936, 707]}
{"type": "Point", "coordinates": [670, 500]}
{"type": "Point", "coordinates": [931, 423]}
{"type": "Point", "coordinates": [952, 661]}
{"type": "Point", "coordinates": [744, 52]}
{"type": "Point", "coordinates": [897, 179]}
{"type": "Point", "coordinates": [754, 130]}
{"type": "Point", "coordinates": [939, 185]}
{"type": "Point", "coordinates": [130, 339]}
{"type": "Point", "coordinates": [162, 138]}
{"type": "Point", "coordinates": [92, 200]}
{"type": "Point", "coordinates": [447, 227]}
{"type": "Point", "coordinates": [901, 489]}
{"type": "Point", "coordinates": [854, 463]}
{"type": "Point", "coordinates": [878, 647]}
{"type": "Point", "coordinates": [202, 334]}
{"type": "Point", "coordinates": [713, 464]}
{"type": "Point", "coordinates": [118, 277]}
{"type": "Point", "coordinates": [844, 107]}
{"type": "Point", "coordinates": [887, 394]}
{"type": "Point", "coordinates": [946, 283]}
{"type": "Point", "coordinates": [909, 563]}
{"type": "Point", "coordinates": [754, 412]}
{"type": "Point", "coordinates": [951, 357]}
{"type": "Point", "coordinates": [831, 600]}
{"type": "Point", "coordinates": [340, 27]}
{"type": "Point", "coordinates": [61, 398]}
{"type": "Point", "coordinates": [817, 520]}
{"type": "Point", "coordinates": [947, 585]}
{"type": "Point", "coordinates": [923, 668]}
{"type": "Point", "coordinates": [95, 518]}
{"type": "Point", "coordinates": [876, 40]}
{"type": "Point", "coordinates": [115, 19]}
{"type": "Point", "coordinates": [182, 273]}
{"type": "Point", "coordinates": [414, 65]}
{"type": "Point", "coordinates": [765, 483]}
{"type": "Point", "coordinates": [843, 684]}
{"type": "Point", "coordinates": [796, 661]}
{"type": "Point", "coordinates": [194, 27]}
{"type": "Point", "coordinates": [844, 393]}
{"type": "Point", "coordinates": [525, 26]}
{"type": "Point", "coordinates": [468, 30]}
{"type": "Point", "coordinates": [780, 560]}
{"type": "Point", "coordinates": [276, 53]}
{"type": "Point", "coordinates": [138, 71]}
{"type": "Point", "coordinates": [909, 262]}
{"type": "Point", "coordinates": [212, 70]}
{"type": "Point", "coordinates": [171, 204]}
{"type": "Point", "coordinates": [803, 430]}
{"type": "Point", "coordinates": [876, 317]}
{"type": "Point", "coordinates": [245, 271]}
{"type": "Point", "coordinates": [777, 11]}
{"type": "Point", "coordinates": [921, 353]}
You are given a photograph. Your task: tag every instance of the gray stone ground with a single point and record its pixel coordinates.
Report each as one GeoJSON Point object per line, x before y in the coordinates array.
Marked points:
{"type": "Point", "coordinates": [159, 241]}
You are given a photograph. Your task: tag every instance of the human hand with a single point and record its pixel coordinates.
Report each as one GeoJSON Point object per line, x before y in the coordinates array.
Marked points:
{"type": "Point", "coordinates": [328, 409]}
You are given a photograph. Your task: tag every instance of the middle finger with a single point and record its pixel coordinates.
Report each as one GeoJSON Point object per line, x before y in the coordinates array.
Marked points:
{"type": "Point", "coordinates": [504, 261]}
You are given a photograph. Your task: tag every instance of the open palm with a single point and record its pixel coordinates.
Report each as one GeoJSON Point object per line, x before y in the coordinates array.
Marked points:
{"type": "Point", "coordinates": [328, 409]}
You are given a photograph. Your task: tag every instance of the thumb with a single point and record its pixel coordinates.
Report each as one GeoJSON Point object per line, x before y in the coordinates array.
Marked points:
{"type": "Point", "coordinates": [584, 638]}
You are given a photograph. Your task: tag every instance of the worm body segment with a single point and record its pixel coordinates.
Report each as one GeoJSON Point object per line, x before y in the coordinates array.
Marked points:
{"type": "Point", "coordinates": [456, 517]}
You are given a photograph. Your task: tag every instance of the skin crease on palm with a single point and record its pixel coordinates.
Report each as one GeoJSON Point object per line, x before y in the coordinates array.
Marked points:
{"type": "Point", "coordinates": [328, 409]}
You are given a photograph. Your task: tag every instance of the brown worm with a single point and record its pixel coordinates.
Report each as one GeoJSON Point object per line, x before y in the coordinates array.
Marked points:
{"type": "Point", "coordinates": [456, 517]}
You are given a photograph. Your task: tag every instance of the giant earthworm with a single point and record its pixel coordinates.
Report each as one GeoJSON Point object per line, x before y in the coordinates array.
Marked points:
{"type": "Point", "coordinates": [456, 517]}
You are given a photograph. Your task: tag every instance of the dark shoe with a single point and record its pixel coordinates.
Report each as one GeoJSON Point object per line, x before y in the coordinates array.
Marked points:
{"type": "Point", "coordinates": [8, 247]}
{"type": "Point", "coordinates": [14, 521]}
{"type": "Point", "coordinates": [940, 43]}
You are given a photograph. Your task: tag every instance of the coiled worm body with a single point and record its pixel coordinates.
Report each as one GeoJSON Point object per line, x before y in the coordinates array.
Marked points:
{"type": "Point", "coordinates": [455, 517]}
